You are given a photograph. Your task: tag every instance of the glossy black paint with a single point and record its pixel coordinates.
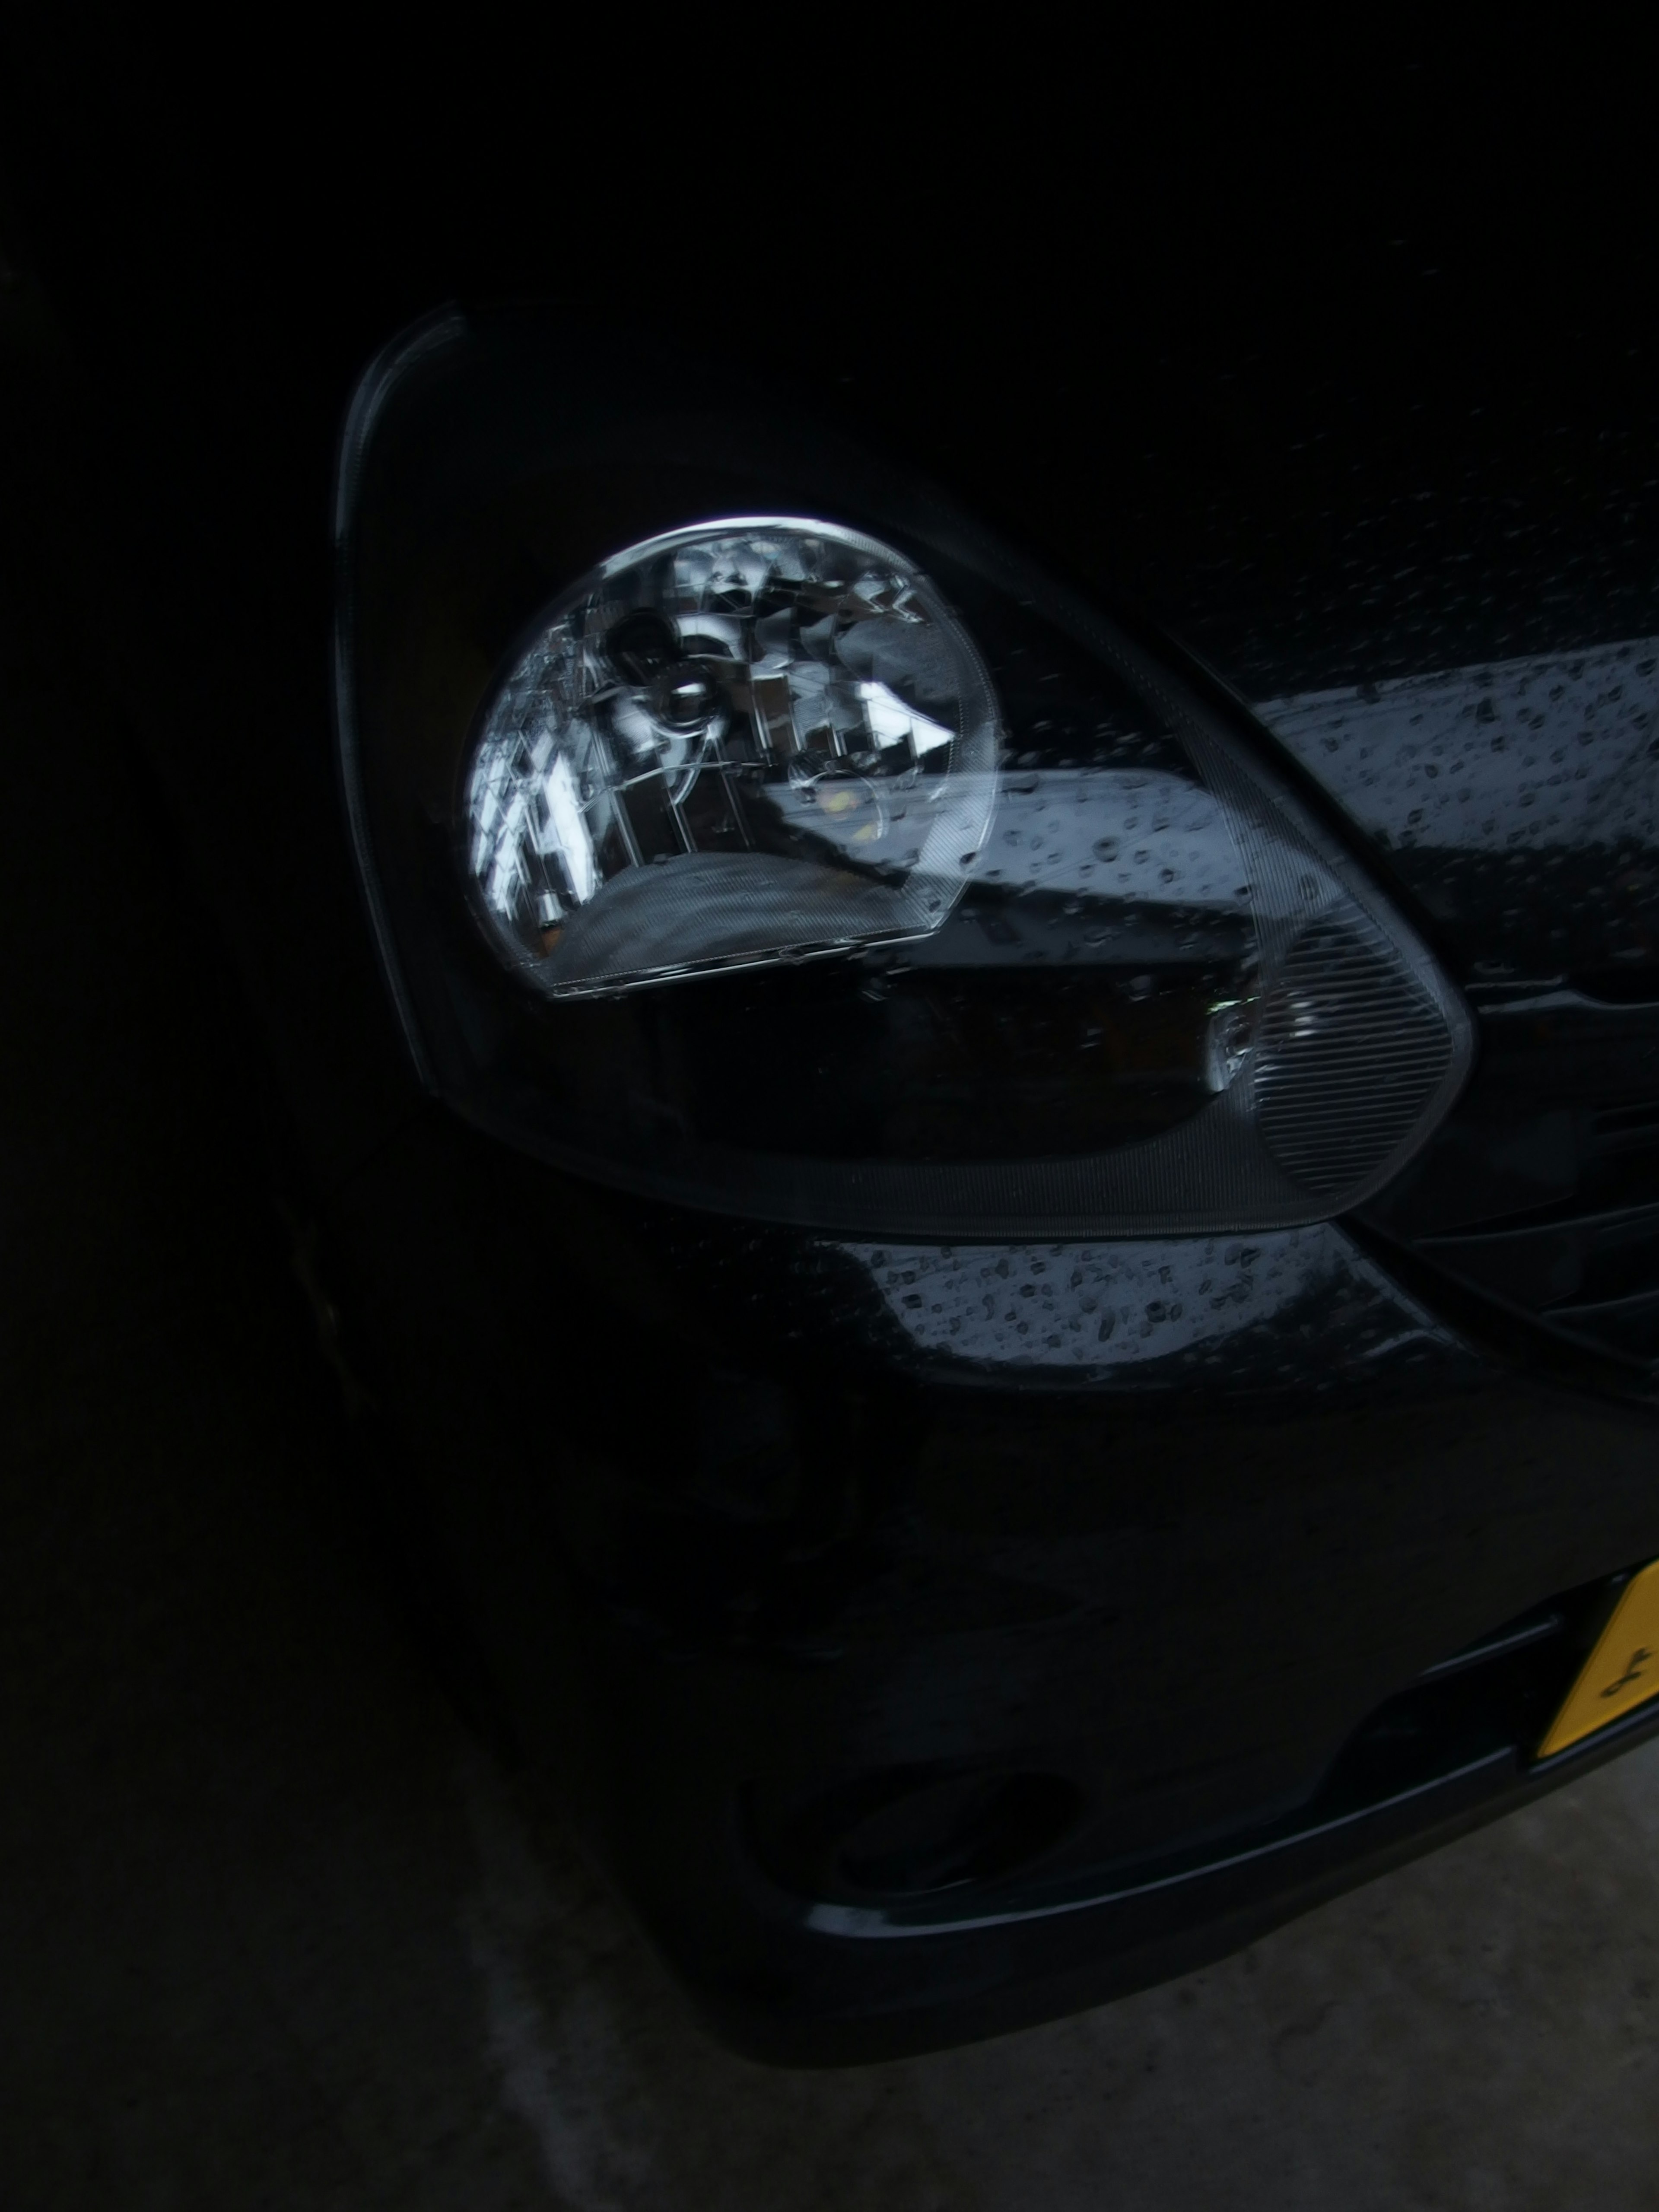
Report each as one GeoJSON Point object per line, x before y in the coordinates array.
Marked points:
{"type": "Point", "coordinates": [765, 1533]}
{"type": "Point", "coordinates": [800, 1566]}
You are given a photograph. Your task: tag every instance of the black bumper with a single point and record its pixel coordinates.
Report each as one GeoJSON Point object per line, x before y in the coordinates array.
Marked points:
{"type": "Point", "coordinates": [911, 1694]}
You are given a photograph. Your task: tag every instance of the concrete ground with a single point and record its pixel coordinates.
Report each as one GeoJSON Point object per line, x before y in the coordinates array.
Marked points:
{"type": "Point", "coordinates": [274, 1932]}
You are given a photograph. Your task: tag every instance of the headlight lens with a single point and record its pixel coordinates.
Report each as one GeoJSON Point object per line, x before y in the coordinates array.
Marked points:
{"type": "Point", "coordinates": [732, 746]}
{"type": "Point", "coordinates": [807, 858]}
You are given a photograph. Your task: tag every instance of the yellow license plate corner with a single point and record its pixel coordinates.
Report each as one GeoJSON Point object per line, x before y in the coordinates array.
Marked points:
{"type": "Point", "coordinates": [1621, 1673]}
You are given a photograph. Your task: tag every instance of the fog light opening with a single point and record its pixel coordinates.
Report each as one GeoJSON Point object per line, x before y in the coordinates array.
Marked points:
{"type": "Point", "coordinates": [960, 1829]}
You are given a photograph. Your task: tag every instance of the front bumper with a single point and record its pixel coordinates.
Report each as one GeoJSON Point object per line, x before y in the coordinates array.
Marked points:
{"type": "Point", "coordinates": [914, 1685]}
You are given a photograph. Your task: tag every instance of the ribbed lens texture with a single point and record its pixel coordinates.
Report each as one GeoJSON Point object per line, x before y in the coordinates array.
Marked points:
{"type": "Point", "coordinates": [1351, 1052]}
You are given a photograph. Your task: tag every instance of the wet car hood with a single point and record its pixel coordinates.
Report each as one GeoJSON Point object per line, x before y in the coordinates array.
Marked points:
{"type": "Point", "coordinates": [1430, 560]}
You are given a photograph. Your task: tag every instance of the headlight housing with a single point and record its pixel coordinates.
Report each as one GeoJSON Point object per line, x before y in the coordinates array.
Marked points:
{"type": "Point", "coordinates": [743, 827]}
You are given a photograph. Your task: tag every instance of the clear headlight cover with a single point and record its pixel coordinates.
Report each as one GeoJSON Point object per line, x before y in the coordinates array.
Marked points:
{"type": "Point", "coordinates": [814, 860]}
{"type": "Point", "coordinates": [757, 741]}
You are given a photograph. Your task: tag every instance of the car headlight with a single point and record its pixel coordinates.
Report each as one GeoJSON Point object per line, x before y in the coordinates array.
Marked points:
{"type": "Point", "coordinates": [744, 828]}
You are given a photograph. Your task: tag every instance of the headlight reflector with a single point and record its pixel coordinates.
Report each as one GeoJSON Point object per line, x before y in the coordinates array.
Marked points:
{"type": "Point", "coordinates": [732, 744]}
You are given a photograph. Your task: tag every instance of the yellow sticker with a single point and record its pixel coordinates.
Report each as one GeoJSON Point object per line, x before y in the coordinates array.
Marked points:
{"type": "Point", "coordinates": [1623, 1670]}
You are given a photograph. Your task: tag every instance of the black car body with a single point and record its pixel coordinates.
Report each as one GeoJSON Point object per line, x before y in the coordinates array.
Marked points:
{"type": "Point", "coordinates": [935, 1631]}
